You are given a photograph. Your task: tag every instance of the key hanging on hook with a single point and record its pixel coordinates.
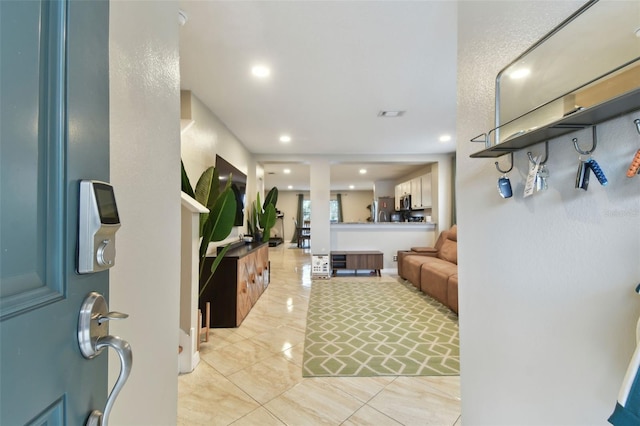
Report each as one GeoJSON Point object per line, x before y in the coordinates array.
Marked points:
{"type": "Point", "coordinates": [504, 184]}
{"type": "Point", "coordinates": [542, 173]}
{"type": "Point", "coordinates": [541, 178]}
{"type": "Point", "coordinates": [582, 177]}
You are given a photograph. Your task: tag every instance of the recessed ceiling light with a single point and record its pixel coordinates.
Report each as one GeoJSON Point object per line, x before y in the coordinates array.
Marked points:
{"type": "Point", "coordinates": [285, 138]}
{"type": "Point", "coordinates": [287, 171]}
{"type": "Point", "coordinates": [445, 138]}
{"type": "Point", "coordinates": [363, 171]}
{"type": "Point", "coordinates": [290, 187]}
{"type": "Point", "coordinates": [391, 113]}
{"type": "Point", "coordinates": [351, 186]}
{"type": "Point", "coordinates": [261, 71]}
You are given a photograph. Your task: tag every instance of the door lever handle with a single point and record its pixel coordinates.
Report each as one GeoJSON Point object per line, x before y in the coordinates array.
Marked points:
{"type": "Point", "coordinates": [111, 316]}
{"type": "Point", "coordinates": [123, 349]}
{"type": "Point", "coordinates": [93, 337]}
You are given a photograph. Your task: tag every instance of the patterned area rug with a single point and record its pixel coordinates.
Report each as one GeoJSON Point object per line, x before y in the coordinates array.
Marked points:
{"type": "Point", "coordinates": [378, 327]}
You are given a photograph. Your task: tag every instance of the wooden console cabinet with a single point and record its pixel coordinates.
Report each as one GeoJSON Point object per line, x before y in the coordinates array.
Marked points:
{"type": "Point", "coordinates": [241, 277]}
{"type": "Point", "coordinates": [356, 260]}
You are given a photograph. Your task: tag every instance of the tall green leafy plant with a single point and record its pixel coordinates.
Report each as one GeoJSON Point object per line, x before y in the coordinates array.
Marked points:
{"type": "Point", "coordinates": [217, 224]}
{"type": "Point", "coordinates": [262, 217]}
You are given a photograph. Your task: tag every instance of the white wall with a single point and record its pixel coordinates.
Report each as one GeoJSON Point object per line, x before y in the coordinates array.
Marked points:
{"type": "Point", "coordinates": [547, 302]}
{"type": "Point", "coordinates": [384, 188]}
{"type": "Point", "coordinates": [354, 205]}
{"type": "Point", "coordinates": [207, 137]}
{"type": "Point", "coordinates": [145, 152]}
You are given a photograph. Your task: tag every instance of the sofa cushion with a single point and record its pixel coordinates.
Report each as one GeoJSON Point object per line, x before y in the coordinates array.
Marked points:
{"type": "Point", "coordinates": [449, 251]}
{"type": "Point", "coordinates": [412, 265]}
{"type": "Point", "coordinates": [401, 261]}
{"type": "Point", "coordinates": [411, 268]}
{"type": "Point", "coordinates": [434, 278]}
{"type": "Point", "coordinates": [401, 256]}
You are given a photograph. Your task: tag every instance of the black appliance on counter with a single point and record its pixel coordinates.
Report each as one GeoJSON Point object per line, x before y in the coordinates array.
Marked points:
{"type": "Point", "coordinates": [415, 219]}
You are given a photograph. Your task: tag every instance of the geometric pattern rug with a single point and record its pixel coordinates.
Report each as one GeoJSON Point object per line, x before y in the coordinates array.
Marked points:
{"type": "Point", "coordinates": [368, 326]}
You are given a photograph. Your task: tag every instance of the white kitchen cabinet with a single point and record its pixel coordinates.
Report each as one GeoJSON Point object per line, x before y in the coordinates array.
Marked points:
{"type": "Point", "coordinates": [416, 192]}
{"type": "Point", "coordinates": [426, 197]}
{"type": "Point", "coordinates": [420, 190]}
{"type": "Point", "coordinates": [406, 188]}
{"type": "Point", "coordinates": [401, 189]}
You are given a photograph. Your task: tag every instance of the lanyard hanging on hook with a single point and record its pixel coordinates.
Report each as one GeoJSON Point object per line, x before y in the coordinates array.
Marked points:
{"type": "Point", "coordinates": [587, 163]}
{"type": "Point", "coordinates": [634, 168]}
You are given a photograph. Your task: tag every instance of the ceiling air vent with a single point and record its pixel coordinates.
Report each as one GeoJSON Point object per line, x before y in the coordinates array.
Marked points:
{"type": "Point", "coordinates": [391, 113]}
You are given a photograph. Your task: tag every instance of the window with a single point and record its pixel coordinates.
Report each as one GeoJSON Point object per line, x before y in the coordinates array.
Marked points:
{"type": "Point", "coordinates": [333, 211]}
{"type": "Point", "coordinates": [306, 210]}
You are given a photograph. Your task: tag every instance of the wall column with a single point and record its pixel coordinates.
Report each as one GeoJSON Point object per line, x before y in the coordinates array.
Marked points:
{"type": "Point", "coordinates": [320, 184]}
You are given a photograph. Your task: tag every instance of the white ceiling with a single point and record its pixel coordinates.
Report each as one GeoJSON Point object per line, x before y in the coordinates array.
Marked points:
{"type": "Point", "coordinates": [344, 176]}
{"type": "Point", "coordinates": [334, 66]}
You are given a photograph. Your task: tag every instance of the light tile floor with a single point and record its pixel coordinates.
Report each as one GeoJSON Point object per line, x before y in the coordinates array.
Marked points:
{"type": "Point", "coordinates": [252, 375]}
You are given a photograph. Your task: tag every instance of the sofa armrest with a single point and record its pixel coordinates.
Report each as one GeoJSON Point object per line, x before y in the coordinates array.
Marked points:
{"type": "Point", "coordinates": [428, 251]}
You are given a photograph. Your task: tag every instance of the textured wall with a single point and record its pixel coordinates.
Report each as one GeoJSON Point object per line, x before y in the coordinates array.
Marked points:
{"type": "Point", "coordinates": [207, 137]}
{"type": "Point", "coordinates": [547, 307]}
{"type": "Point", "coordinates": [145, 152]}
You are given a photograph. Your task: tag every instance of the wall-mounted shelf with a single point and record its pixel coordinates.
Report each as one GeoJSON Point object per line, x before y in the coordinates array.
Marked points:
{"type": "Point", "coordinates": [613, 108]}
{"type": "Point", "coordinates": [569, 79]}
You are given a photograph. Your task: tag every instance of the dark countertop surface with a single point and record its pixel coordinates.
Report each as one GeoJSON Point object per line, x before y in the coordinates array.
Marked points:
{"type": "Point", "coordinates": [241, 249]}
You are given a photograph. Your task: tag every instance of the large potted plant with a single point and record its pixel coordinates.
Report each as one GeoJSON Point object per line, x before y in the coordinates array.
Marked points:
{"type": "Point", "coordinates": [262, 217]}
{"type": "Point", "coordinates": [217, 224]}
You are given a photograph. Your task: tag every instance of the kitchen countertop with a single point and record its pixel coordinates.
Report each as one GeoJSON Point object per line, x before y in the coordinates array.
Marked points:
{"type": "Point", "coordinates": [383, 224]}
{"type": "Point", "coordinates": [387, 237]}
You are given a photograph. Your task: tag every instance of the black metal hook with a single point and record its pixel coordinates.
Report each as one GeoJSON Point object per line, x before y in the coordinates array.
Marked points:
{"type": "Point", "coordinates": [637, 122]}
{"type": "Point", "coordinates": [546, 154]}
{"type": "Point", "coordinates": [510, 168]}
{"type": "Point", "coordinates": [593, 146]}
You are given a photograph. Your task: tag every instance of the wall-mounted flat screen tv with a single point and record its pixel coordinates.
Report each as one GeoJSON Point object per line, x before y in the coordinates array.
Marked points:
{"type": "Point", "coordinates": [238, 184]}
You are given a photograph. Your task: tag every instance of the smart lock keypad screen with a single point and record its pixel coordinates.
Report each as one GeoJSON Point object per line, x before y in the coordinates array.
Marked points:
{"type": "Point", "coordinates": [106, 204]}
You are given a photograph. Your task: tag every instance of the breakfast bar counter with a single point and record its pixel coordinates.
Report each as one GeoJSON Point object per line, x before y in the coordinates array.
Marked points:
{"type": "Point", "coordinates": [386, 237]}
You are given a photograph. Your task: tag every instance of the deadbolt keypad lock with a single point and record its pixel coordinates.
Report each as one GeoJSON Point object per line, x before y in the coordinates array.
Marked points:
{"type": "Point", "coordinates": [98, 222]}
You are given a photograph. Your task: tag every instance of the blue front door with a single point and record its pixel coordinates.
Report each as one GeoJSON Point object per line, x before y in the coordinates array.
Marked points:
{"type": "Point", "coordinates": [54, 130]}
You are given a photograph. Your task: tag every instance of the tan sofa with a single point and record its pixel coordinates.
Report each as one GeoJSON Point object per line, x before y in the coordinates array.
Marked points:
{"type": "Point", "coordinates": [434, 270]}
